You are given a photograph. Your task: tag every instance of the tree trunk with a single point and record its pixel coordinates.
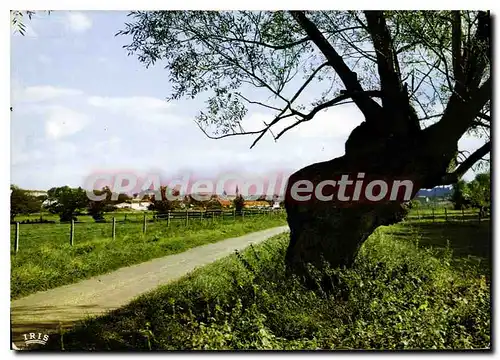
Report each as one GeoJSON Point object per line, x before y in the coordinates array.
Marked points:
{"type": "Point", "coordinates": [331, 232]}
{"type": "Point", "coordinates": [324, 233]}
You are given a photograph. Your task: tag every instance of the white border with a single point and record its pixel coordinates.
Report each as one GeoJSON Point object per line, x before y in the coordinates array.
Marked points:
{"type": "Point", "coordinates": [185, 4]}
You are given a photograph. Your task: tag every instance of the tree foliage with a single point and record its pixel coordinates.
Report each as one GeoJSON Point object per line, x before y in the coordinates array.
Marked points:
{"type": "Point", "coordinates": [480, 191]}
{"type": "Point", "coordinates": [476, 194]}
{"type": "Point", "coordinates": [67, 202]}
{"type": "Point", "coordinates": [239, 203]}
{"type": "Point", "coordinates": [17, 20]}
{"type": "Point", "coordinates": [22, 202]}
{"type": "Point", "coordinates": [164, 205]}
{"type": "Point", "coordinates": [459, 195]}
{"type": "Point", "coordinates": [96, 209]}
{"type": "Point", "coordinates": [431, 61]}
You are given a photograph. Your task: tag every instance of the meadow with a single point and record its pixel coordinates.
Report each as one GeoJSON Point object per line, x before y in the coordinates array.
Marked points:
{"type": "Point", "coordinates": [46, 259]}
{"type": "Point", "coordinates": [414, 285]}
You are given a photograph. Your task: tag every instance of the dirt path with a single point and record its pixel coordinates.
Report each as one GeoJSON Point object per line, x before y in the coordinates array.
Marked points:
{"type": "Point", "coordinates": [46, 311]}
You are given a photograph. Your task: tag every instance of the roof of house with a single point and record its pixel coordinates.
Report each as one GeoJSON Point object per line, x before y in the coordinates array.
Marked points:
{"type": "Point", "coordinates": [256, 203]}
{"type": "Point", "coordinates": [224, 202]}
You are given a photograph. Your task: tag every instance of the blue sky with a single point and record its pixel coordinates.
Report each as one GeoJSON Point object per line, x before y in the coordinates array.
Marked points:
{"type": "Point", "coordinates": [82, 105]}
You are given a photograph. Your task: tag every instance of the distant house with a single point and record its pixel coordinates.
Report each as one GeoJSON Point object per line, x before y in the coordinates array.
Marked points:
{"type": "Point", "coordinates": [423, 199]}
{"type": "Point", "coordinates": [225, 203]}
{"type": "Point", "coordinates": [123, 206]}
{"type": "Point", "coordinates": [134, 205]}
{"type": "Point", "coordinates": [256, 204]}
{"type": "Point", "coordinates": [37, 193]}
{"type": "Point", "coordinates": [253, 198]}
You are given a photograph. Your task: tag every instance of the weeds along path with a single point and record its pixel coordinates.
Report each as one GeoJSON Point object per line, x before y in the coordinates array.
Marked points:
{"type": "Point", "coordinates": [46, 311]}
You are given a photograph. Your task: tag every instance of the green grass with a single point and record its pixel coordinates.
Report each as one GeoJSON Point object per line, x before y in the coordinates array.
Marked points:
{"type": "Point", "coordinates": [412, 287]}
{"type": "Point", "coordinates": [120, 215]}
{"type": "Point", "coordinates": [46, 260]}
{"type": "Point", "coordinates": [124, 215]}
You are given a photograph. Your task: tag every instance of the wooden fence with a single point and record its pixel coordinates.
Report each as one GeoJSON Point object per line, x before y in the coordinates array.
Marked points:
{"type": "Point", "coordinates": [447, 215]}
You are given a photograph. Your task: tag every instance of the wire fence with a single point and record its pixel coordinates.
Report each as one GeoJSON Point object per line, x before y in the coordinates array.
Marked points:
{"type": "Point", "coordinates": [133, 223]}
{"type": "Point", "coordinates": [130, 223]}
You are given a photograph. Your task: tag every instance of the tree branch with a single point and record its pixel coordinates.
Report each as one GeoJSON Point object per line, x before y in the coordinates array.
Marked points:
{"type": "Point", "coordinates": [456, 44]}
{"type": "Point", "coordinates": [330, 103]}
{"type": "Point", "coordinates": [260, 43]}
{"type": "Point", "coordinates": [460, 114]}
{"type": "Point", "coordinates": [368, 106]}
{"type": "Point", "coordinates": [308, 81]}
{"type": "Point", "coordinates": [382, 42]}
{"type": "Point", "coordinates": [395, 99]}
{"type": "Point", "coordinates": [484, 117]}
{"type": "Point", "coordinates": [482, 124]}
{"type": "Point", "coordinates": [227, 135]}
{"type": "Point", "coordinates": [257, 102]}
{"type": "Point", "coordinates": [466, 164]}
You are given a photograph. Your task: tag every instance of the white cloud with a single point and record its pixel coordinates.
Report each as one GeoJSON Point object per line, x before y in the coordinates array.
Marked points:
{"type": "Point", "coordinates": [62, 150]}
{"type": "Point", "coordinates": [135, 103]}
{"type": "Point", "coordinates": [44, 59]}
{"type": "Point", "coordinates": [62, 121]}
{"type": "Point", "coordinates": [336, 123]}
{"type": "Point", "coordinates": [19, 157]}
{"type": "Point", "coordinates": [78, 22]}
{"type": "Point", "coordinates": [141, 108]}
{"type": "Point", "coordinates": [107, 147]}
{"type": "Point", "coordinates": [45, 93]}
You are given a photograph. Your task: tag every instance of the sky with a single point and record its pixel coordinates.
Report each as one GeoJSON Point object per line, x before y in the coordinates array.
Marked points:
{"type": "Point", "coordinates": [81, 105]}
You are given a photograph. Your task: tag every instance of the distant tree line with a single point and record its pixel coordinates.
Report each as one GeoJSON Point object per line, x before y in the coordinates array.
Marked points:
{"type": "Point", "coordinates": [473, 194]}
{"type": "Point", "coordinates": [64, 201]}
{"type": "Point", "coordinates": [68, 203]}
{"type": "Point", "coordinates": [24, 202]}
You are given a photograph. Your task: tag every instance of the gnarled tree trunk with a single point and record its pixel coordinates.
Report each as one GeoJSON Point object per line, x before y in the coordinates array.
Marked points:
{"type": "Point", "coordinates": [332, 232]}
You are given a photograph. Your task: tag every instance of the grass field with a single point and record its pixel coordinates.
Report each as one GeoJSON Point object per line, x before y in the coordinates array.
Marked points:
{"type": "Point", "coordinates": [136, 216]}
{"type": "Point", "coordinates": [46, 260]}
{"type": "Point", "coordinates": [416, 285]}
{"type": "Point", "coordinates": [127, 215]}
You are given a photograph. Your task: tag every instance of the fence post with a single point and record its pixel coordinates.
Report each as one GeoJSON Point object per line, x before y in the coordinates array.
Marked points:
{"type": "Point", "coordinates": [168, 218]}
{"type": "Point", "coordinates": [463, 215]}
{"type": "Point", "coordinates": [16, 239]}
{"type": "Point", "coordinates": [113, 232]}
{"type": "Point", "coordinates": [445, 215]}
{"type": "Point", "coordinates": [479, 216]}
{"type": "Point", "coordinates": [72, 232]}
{"type": "Point", "coordinates": [418, 214]}
{"type": "Point", "coordinates": [201, 215]}
{"type": "Point", "coordinates": [433, 216]}
{"type": "Point", "coordinates": [242, 215]}
{"type": "Point", "coordinates": [234, 214]}
{"type": "Point", "coordinates": [213, 216]}
{"type": "Point", "coordinates": [187, 218]}
{"type": "Point", "coordinates": [144, 225]}
{"type": "Point", "coordinates": [125, 219]}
